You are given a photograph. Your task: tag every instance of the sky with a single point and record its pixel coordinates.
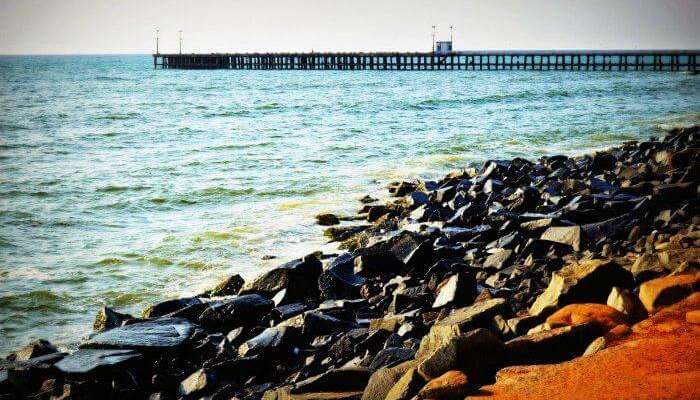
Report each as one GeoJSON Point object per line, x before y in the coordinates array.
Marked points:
{"type": "Point", "coordinates": [129, 26]}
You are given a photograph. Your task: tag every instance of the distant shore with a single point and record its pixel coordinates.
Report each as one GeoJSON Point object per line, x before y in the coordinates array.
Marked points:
{"type": "Point", "coordinates": [519, 263]}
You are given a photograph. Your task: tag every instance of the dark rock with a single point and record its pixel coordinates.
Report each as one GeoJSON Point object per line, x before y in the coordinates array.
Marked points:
{"type": "Point", "coordinates": [552, 346]}
{"type": "Point", "coordinates": [228, 286]}
{"type": "Point", "coordinates": [316, 323]}
{"type": "Point", "coordinates": [148, 335]}
{"type": "Point", "coordinates": [390, 357]}
{"type": "Point", "coordinates": [376, 212]}
{"type": "Point", "coordinates": [287, 311]}
{"type": "Point", "coordinates": [327, 219]}
{"type": "Point", "coordinates": [246, 310]}
{"type": "Point", "coordinates": [95, 361]}
{"type": "Point", "coordinates": [107, 318]}
{"type": "Point", "coordinates": [274, 342]}
{"type": "Point", "coordinates": [339, 280]}
{"type": "Point", "coordinates": [588, 282]}
{"type": "Point", "coordinates": [340, 233]}
{"type": "Point", "coordinates": [34, 349]}
{"type": "Point", "coordinates": [400, 189]}
{"type": "Point", "coordinates": [417, 199]}
{"type": "Point", "coordinates": [478, 353]}
{"type": "Point", "coordinates": [382, 380]}
{"type": "Point", "coordinates": [457, 290]}
{"type": "Point", "coordinates": [298, 277]}
{"type": "Point", "coordinates": [336, 380]}
{"type": "Point", "coordinates": [169, 306]}
{"type": "Point", "coordinates": [498, 259]}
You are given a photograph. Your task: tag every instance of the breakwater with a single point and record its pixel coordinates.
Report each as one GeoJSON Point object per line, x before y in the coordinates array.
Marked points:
{"type": "Point", "coordinates": [519, 262]}
{"type": "Point", "coordinates": [535, 60]}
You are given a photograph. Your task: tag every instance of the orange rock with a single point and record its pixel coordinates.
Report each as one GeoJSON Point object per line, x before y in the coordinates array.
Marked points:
{"type": "Point", "coordinates": [576, 314]}
{"type": "Point", "coordinates": [450, 385]}
{"type": "Point", "coordinates": [657, 360]}
{"type": "Point", "coordinates": [693, 317]}
{"type": "Point", "coordinates": [667, 290]}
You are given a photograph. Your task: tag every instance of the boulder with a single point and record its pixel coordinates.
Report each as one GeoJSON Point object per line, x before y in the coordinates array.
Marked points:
{"type": "Point", "coordinates": [570, 235]}
{"type": "Point", "coordinates": [383, 380]}
{"type": "Point", "coordinates": [316, 324]}
{"type": "Point", "coordinates": [665, 291]}
{"type": "Point", "coordinates": [272, 342]}
{"type": "Point", "coordinates": [627, 303]}
{"type": "Point", "coordinates": [335, 380]}
{"type": "Point", "coordinates": [407, 386]}
{"type": "Point", "coordinates": [228, 286]}
{"type": "Point", "coordinates": [551, 346]}
{"type": "Point", "coordinates": [96, 361]}
{"type": "Point", "coordinates": [298, 277]}
{"type": "Point", "coordinates": [461, 321]}
{"type": "Point", "coordinates": [390, 357]}
{"type": "Point", "coordinates": [339, 280]}
{"type": "Point", "coordinates": [478, 353]}
{"type": "Point", "coordinates": [169, 306]}
{"type": "Point", "coordinates": [327, 219]}
{"type": "Point", "coordinates": [107, 318]}
{"type": "Point", "coordinates": [245, 310]}
{"type": "Point", "coordinates": [154, 334]}
{"type": "Point", "coordinates": [456, 290]}
{"type": "Point", "coordinates": [452, 385]}
{"type": "Point", "coordinates": [34, 349]}
{"type": "Point", "coordinates": [198, 383]}
{"type": "Point", "coordinates": [498, 259]}
{"type": "Point", "coordinates": [587, 282]}
{"type": "Point", "coordinates": [575, 314]}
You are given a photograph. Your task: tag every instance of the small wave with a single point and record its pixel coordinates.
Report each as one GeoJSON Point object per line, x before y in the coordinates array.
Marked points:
{"type": "Point", "coordinates": [234, 146]}
{"type": "Point", "coordinates": [35, 301]}
{"type": "Point", "coordinates": [110, 261]}
{"type": "Point", "coordinates": [219, 191]}
{"type": "Point", "coordinates": [269, 106]}
{"type": "Point", "coordinates": [8, 127]}
{"type": "Point", "coordinates": [111, 79]}
{"type": "Point", "coordinates": [120, 188]}
{"type": "Point", "coordinates": [118, 117]}
{"type": "Point", "coordinates": [237, 113]}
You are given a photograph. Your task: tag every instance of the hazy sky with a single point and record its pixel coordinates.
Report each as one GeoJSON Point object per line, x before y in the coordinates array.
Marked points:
{"type": "Point", "coordinates": [128, 26]}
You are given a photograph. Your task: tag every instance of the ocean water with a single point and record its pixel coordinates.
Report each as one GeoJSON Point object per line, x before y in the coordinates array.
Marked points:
{"type": "Point", "coordinates": [121, 185]}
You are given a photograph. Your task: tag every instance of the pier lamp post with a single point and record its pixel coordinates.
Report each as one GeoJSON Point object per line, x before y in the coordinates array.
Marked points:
{"type": "Point", "coordinates": [157, 39]}
{"type": "Point", "coordinates": [433, 38]}
{"type": "Point", "coordinates": [451, 33]}
{"type": "Point", "coordinates": [180, 32]}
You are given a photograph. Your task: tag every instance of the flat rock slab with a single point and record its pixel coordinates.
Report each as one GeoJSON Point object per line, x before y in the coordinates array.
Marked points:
{"type": "Point", "coordinates": [155, 334]}
{"type": "Point", "coordinates": [85, 361]}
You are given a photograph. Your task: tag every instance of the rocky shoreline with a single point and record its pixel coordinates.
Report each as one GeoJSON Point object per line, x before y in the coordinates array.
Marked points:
{"type": "Point", "coordinates": [444, 292]}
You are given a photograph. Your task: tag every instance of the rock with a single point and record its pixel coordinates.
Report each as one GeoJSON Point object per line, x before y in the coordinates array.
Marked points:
{"type": "Point", "coordinates": [570, 235]}
{"type": "Point", "coordinates": [417, 199]}
{"type": "Point", "coordinates": [339, 280]}
{"type": "Point", "coordinates": [376, 212]}
{"type": "Point", "coordinates": [452, 385]}
{"type": "Point", "coordinates": [648, 266]}
{"type": "Point", "coordinates": [665, 291]}
{"type": "Point", "coordinates": [107, 318]}
{"type": "Point", "coordinates": [317, 324]}
{"type": "Point", "coordinates": [169, 306]}
{"type": "Point", "coordinates": [575, 314]}
{"type": "Point", "coordinates": [587, 282]}
{"type": "Point", "coordinates": [95, 361]}
{"type": "Point", "coordinates": [274, 342]}
{"type": "Point", "coordinates": [335, 380]}
{"type": "Point", "coordinates": [298, 277]}
{"type": "Point", "coordinates": [407, 386]}
{"type": "Point", "coordinates": [498, 259]}
{"type": "Point", "coordinates": [456, 290]}
{"type": "Point", "coordinates": [461, 321]}
{"type": "Point", "coordinates": [228, 286]}
{"type": "Point", "coordinates": [34, 349]}
{"type": "Point", "coordinates": [693, 317]}
{"type": "Point", "coordinates": [196, 384]}
{"type": "Point", "coordinates": [383, 380]}
{"type": "Point", "coordinates": [521, 325]}
{"type": "Point", "coordinates": [245, 310]}
{"type": "Point", "coordinates": [327, 219]}
{"type": "Point", "coordinates": [478, 353]}
{"type": "Point", "coordinates": [551, 346]}
{"type": "Point", "coordinates": [390, 357]}
{"type": "Point", "coordinates": [627, 303]}
{"type": "Point", "coordinates": [155, 334]}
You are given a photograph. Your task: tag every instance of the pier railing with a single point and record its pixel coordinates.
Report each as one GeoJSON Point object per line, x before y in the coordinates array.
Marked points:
{"type": "Point", "coordinates": [538, 60]}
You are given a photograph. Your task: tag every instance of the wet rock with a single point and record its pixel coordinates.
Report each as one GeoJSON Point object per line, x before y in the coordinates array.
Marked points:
{"type": "Point", "coordinates": [107, 318]}
{"type": "Point", "coordinates": [272, 342]}
{"type": "Point", "coordinates": [34, 349]}
{"type": "Point", "coordinates": [228, 286]}
{"type": "Point", "coordinates": [335, 380]}
{"type": "Point", "coordinates": [196, 384]}
{"type": "Point", "coordinates": [406, 387]}
{"type": "Point", "coordinates": [452, 385]}
{"type": "Point", "coordinates": [297, 277]}
{"type": "Point", "coordinates": [96, 361]}
{"type": "Point", "coordinates": [602, 315]}
{"type": "Point", "coordinates": [665, 291]}
{"type": "Point", "coordinates": [339, 280]}
{"type": "Point", "coordinates": [317, 324]}
{"type": "Point", "coordinates": [281, 313]}
{"type": "Point", "coordinates": [587, 282]}
{"type": "Point", "coordinates": [551, 346]}
{"type": "Point", "coordinates": [417, 199]}
{"type": "Point", "coordinates": [340, 233]}
{"type": "Point", "coordinates": [376, 212]}
{"type": "Point", "coordinates": [327, 219]}
{"type": "Point", "coordinates": [461, 321]}
{"type": "Point", "coordinates": [169, 306]}
{"type": "Point", "coordinates": [478, 353]}
{"type": "Point", "coordinates": [456, 290]}
{"type": "Point", "coordinates": [400, 189]}
{"type": "Point", "coordinates": [245, 310]}
{"type": "Point", "coordinates": [148, 335]}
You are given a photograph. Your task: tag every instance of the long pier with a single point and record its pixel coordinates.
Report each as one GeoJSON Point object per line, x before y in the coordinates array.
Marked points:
{"type": "Point", "coordinates": [537, 60]}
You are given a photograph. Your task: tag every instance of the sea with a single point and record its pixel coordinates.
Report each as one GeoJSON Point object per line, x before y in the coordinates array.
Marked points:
{"type": "Point", "coordinates": [121, 185]}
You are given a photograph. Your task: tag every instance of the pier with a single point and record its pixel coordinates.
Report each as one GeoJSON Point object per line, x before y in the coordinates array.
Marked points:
{"type": "Point", "coordinates": [537, 60]}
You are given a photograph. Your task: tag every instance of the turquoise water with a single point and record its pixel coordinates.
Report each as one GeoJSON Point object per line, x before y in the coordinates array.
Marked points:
{"type": "Point", "coordinates": [121, 185]}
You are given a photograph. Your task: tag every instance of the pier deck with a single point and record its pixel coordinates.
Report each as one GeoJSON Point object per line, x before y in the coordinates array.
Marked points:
{"type": "Point", "coordinates": [538, 60]}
